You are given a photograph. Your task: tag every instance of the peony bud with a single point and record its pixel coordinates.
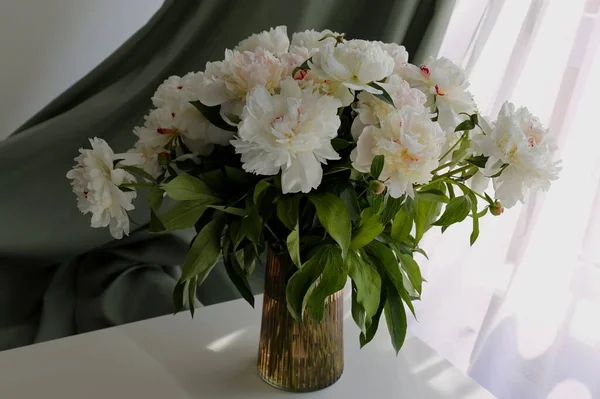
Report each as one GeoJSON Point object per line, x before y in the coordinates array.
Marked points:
{"type": "Point", "coordinates": [164, 158]}
{"type": "Point", "coordinates": [497, 209]}
{"type": "Point", "coordinates": [376, 187]}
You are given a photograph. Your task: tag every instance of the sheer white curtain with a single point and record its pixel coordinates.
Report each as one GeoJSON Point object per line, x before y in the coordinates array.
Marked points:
{"type": "Point", "coordinates": [520, 310]}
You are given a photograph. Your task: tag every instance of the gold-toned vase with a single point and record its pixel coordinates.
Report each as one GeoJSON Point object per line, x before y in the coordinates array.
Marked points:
{"type": "Point", "coordinates": [298, 356]}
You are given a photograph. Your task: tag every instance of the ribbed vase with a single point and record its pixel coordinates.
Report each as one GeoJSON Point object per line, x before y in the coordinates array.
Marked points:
{"type": "Point", "coordinates": [293, 356]}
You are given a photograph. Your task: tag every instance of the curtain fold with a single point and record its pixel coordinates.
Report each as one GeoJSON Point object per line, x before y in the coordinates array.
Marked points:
{"type": "Point", "coordinates": [61, 277]}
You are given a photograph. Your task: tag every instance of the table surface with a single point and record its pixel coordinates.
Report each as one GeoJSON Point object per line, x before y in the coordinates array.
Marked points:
{"type": "Point", "coordinates": [214, 356]}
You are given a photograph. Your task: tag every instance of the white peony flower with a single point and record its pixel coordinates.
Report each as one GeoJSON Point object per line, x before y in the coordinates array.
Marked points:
{"type": "Point", "coordinates": [275, 40]}
{"type": "Point", "coordinates": [174, 91]}
{"type": "Point", "coordinates": [411, 144]}
{"type": "Point", "coordinates": [291, 132]}
{"type": "Point", "coordinates": [307, 79]}
{"type": "Point", "coordinates": [145, 157]}
{"type": "Point", "coordinates": [371, 110]}
{"type": "Point", "coordinates": [519, 141]}
{"type": "Point", "coordinates": [294, 58]}
{"type": "Point", "coordinates": [227, 82]}
{"type": "Point", "coordinates": [397, 52]}
{"type": "Point", "coordinates": [311, 39]}
{"type": "Point", "coordinates": [354, 63]}
{"type": "Point", "coordinates": [445, 85]}
{"type": "Point", "coordinates": [96, 183]}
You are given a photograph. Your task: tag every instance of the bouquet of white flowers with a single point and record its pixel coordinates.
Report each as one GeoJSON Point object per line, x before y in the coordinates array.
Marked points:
{"type": "Point", "coordinates": [337, 153]}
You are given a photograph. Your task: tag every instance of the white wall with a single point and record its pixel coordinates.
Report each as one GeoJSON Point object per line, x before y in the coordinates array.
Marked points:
{"type": "Point", "coordinates": [47, 45]}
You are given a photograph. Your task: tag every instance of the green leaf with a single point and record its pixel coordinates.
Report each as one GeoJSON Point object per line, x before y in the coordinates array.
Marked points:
{"type": "Point", "coordinates": [488, 199]}
{"type": "Point", "coordinates": [367, 284]}
{"type": "Point", "coordinates": [252, 224]}
{"type": "Point", "coordinates": [138, 172]}
{"type": "Point", "coordinates": [402, 224]}
{"type": "Point", "coordinates": [456, 211]}
{"type": "Point", "coordinates": [384, 96]}
{"type": "Point", "coordinates": [483, 213]}
{"type": "Point", "coordinates": [422, 252]}
{"type": "Point", "coordinates": [479, 160]}
{"type": "Point", "coordinates": [367, 231]}
{"type": "Point", "coordinates": [425, 213]}
{"type": "Point", "coordinates": [213, 115]}
{"type": "Point", "coordinates": [293, 246]}
{"type": "Point", "coordinates": [204, 252]}
{"type": "Point", "coordinates": [192, 295]}
{"type": "Point", "coordinates": [365, 338]}
{"type": "Point", "coordinates": [433, 194]}
{"type": "Point", "coordinates": [359, 314]}
{"type": "Point", "coordinates": [391, 208]}
{"type": "Point", "coordinates": [332, 279]}
{"type": "Point", "coordinates": [228, 209]}
{"type": "Point", "coordinates": [451, 194]}
{"type": "Point", "coordinates": [238, 277]}
{"type": "Point", "coordinates": [155, 198]}
{"type": "Point", "coordinates": [261, 186]}
{"type": "Point", "coordinates": [341, 144]}
{"type": "Point", "coordinates": [182, 215]}
{"type": "Point", "coordinates": [235, 233]}
{"type": "Point", "coordinates": [185, 187]}
{"type": "Point", "coordinates": [180, 296]}
{"type": "Point", "coordinates": [334, 217]}
{"type": "Point", "coordinates": [465, 125]}
{"type": "Point", "coordinates": [386, 261]}
{"type": "Point", "coordinates": [287, 210]}
{"type": "Point", "coordinates": [475, 232]}
{"type": "Point", "coordinates": [375, 202]}
{"type": "Point", "coordinates": [410, 266]}
{"type": "Point", "coordinates": [377, 166]}
{"type": "Point", "coordinates": [395, 316]}
{"type": "Point", "coordinates": [348, 195]}
{"type": "Point", "coordinates": [156, 226]}
{"type": "Point", "coordinates": [302, 282]}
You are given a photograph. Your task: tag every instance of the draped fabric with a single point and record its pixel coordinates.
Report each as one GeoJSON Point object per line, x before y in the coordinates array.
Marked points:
{"type": "Point", "coordinates": [58, 276]}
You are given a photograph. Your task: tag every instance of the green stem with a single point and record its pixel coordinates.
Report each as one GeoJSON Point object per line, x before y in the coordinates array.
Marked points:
{"type": "Point", "coordinates": [454, 145]}
{"type": "Point", "coordinates": [453, 172]}
{"type": "Point", "coordinates": [433, 172]}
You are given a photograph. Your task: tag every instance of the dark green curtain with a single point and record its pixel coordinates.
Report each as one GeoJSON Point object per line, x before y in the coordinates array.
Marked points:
{"type": "Point", "coordinates": [60, 277]}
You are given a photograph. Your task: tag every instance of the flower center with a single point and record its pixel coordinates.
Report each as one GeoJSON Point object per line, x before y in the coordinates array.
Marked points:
{"type": "Point", "coordinates": [531, 141]}
{"type": "Point", "coordinates": [438, 91]}
{"type": "Point", "coordinates": [301, 74]}
{"type": "Point", "coordinates": [425, 71]}
{"type": "Point", "coordinates": [163, 130]}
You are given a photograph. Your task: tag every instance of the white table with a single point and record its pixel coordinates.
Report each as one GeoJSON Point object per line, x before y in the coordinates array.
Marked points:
{"type": "Point", "coordinates": [214, 356]}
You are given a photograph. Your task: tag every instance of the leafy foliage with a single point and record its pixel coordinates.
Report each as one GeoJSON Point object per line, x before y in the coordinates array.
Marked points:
{"type": "Point", "coordinates": [350, 227]}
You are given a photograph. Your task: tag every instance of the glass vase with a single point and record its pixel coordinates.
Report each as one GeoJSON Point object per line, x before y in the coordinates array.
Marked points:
{"type": "Point", "coordinates": [298, 356]}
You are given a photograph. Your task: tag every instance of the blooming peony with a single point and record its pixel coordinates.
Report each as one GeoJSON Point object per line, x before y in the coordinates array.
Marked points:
{"type": "Point", "coordinates": [519, 141]}
{"type": "Point", "coordinates": [411, 144]}
{"type": "Point", "coordinates": [445, 85]}
{"type": "Point", "coordinates": [174, 91]}
{"type": "Point", "coordinates": [371, 110]}
{"type": "Point", "coordinates": [354, 63]}
{"type": "Point", "coordinates": [96, 183]}
{"type": "Point", "coordinates": [227, 82]}
{"type": "Point", "coordinates": [397, 52]}
{"type": "Point", "coordinates": [275, 40]}
{"type": "Point", "coordinates": [291, 132]}
{"type": "Point", "coordinates": [312, 39]}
